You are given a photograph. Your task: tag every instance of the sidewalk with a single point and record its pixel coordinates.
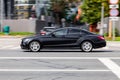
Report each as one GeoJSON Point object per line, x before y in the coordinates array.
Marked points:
{"type": "Point", "coordinates": [113, 44]}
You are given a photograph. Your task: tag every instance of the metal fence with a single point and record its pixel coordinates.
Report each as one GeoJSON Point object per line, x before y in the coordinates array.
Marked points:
{"type": "Point", "coordinates": [116, 25]}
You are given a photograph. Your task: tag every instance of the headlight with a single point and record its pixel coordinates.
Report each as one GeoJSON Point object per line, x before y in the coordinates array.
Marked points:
{"type": "Point", "coordinates": [26, 40]}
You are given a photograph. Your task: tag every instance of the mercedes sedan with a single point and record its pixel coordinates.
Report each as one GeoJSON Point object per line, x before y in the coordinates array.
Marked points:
{"type": "Point", "coordinates": [67, 37]}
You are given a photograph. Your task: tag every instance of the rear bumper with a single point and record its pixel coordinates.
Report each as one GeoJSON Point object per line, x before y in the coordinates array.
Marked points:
{"type": "Point", "coordinates": [100, 44]}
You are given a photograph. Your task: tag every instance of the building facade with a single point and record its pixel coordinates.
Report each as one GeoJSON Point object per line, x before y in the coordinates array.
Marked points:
{"type": "Point", "coordinates": [1, 9]}
{"type": "Point", "coordinates": [1, 14]}
{"type": "Point", "coordinates": [23, 9]}
{"type": "Point", "coordinates": [41, 7]}
{"type": "Point", "coordinates": [8, 9]}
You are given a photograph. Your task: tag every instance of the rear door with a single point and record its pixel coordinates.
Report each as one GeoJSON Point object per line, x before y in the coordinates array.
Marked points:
{"type": "Point", "coordinates": [73, 35]}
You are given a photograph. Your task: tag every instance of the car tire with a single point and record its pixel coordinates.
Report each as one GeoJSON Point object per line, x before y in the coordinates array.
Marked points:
{"type": "Point", "coordinates": [86, 46]}
{"type": "Point", "coordinates": [34, 46]}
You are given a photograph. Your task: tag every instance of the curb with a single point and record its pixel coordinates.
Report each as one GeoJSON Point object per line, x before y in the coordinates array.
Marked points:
{"type": "Point", "coordinates": [6, 36]}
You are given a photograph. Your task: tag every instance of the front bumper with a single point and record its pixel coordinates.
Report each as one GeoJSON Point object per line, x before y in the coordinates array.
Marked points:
{"type": "Point", "coordinates": [24, 45]}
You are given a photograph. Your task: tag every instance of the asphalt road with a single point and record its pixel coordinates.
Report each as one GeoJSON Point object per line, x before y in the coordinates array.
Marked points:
{"type": "Point", "coordinates": [58, 64]}
{"type": "Point", "coordinates": [57, 76]}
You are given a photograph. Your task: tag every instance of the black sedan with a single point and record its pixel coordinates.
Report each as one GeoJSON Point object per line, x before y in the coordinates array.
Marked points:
{"type": "Point", "coordinates": [67, 37]}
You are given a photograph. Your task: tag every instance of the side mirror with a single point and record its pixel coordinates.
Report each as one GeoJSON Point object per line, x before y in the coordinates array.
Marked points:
{"type": "Point", "coordinates": [53, 35]}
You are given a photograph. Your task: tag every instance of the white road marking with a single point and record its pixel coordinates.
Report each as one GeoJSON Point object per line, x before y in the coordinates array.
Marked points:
{"type": "Point", "coordinates": [105, 48]}
{"type": "Point", "coordinates": [6, 47]}
{"type": "Point", "coordinates": [10, 47]}
{"type": "Point", "coordinates": [111, 65]}
{"type": "Point", "coordinates": [15, 47]}
{"type": "Point", "coordinates": [52, 58]}
{"type": "Point", "coordinates": [53, 70]}
{"type": "Point", "coordinates": [10, 39]}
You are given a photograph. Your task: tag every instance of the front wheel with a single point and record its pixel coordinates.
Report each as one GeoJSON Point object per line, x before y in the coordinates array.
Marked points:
{"type": "Point", "coordinates": [86, 46]}
{"type": "Point", "coordinates": [34, 46]}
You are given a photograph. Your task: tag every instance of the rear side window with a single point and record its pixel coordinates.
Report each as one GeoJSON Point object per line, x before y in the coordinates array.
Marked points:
{"type": "Point", "coordinates": [84, 33]}
{"type": "Point", "coordinates": [74, 31]}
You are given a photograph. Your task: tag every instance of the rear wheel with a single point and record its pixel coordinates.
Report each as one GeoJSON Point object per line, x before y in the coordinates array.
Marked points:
{"type": "Point", "coordinates": [34, 46]}
{"type": "Point", "coordinates": [86, 46]}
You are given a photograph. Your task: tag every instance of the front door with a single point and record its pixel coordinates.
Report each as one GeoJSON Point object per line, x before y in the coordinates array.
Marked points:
{"type": "Point", "coordinates": [57, 38]}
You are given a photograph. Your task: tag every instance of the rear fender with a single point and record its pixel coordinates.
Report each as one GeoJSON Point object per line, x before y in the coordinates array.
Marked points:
{"type": "Point", "coordinates": [81, 40]}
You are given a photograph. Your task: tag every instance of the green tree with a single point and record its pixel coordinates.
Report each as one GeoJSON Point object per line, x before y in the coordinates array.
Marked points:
{"type": "Point", "coordinates": [60, 7]}
{"type": "Point", "coordinates": [92, 10]}
{"type": "Point", "coordinates": [119, 8]}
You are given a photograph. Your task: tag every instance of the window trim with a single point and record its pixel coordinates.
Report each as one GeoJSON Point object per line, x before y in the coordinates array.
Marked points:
{"type": "Point", "coordinates": [66, 32]}
{"type": "Point", "coordinates": [73, 33]}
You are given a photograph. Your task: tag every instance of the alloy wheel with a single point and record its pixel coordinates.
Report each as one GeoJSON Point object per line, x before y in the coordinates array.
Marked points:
{"type": "Point", "coordinates": [34, 46]}
{"type": "Point", "coordinates": [86, 46]}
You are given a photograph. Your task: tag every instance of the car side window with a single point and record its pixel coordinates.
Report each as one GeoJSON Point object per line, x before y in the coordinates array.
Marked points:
{"type": "Point", "coordinates": [84, 33]}
{"type": "Point", "coordinates": [74, 31]}
{"type": "Point", "coordinates": [61, 32]}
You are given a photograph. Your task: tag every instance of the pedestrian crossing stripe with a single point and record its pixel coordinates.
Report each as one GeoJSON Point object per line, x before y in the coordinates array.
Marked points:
{"type": "Point", "coordinates": [4, 47]}
{"type": "Point", "coordinates": [13, 47]}
{"type": "Point", "coordinates": [17, 47]}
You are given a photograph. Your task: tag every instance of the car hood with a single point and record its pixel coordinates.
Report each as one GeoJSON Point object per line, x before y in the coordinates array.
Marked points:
{"type": "Point", "coordinates": [36, 36]}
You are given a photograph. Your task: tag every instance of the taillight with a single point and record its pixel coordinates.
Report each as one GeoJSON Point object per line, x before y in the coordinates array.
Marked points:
{"type": "Point", "coordinates": [42, 32]}
{"type": "Point", "coordinates": [101, 37]}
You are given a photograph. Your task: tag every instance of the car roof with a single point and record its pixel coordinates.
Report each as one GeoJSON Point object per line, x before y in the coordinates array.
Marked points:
{"type": "Point", "coordinates": [69, 28]}
{"type": "Point", "coordinates": [76, 28]}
